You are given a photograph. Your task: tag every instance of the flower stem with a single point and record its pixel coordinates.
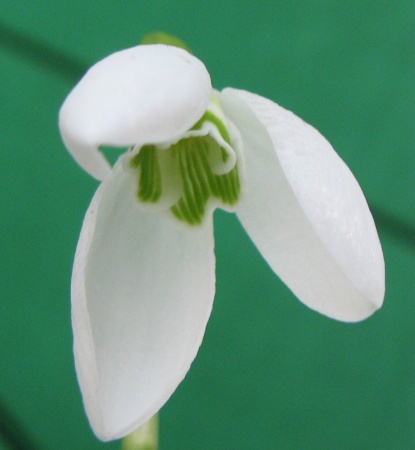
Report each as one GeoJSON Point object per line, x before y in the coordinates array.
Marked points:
{"type": "Point", "coordinates": [144, 438]}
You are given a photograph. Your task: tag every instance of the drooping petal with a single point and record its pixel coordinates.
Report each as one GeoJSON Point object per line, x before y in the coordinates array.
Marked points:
{"type": "Point", "coordinates": [147, 94]}
{"type": "Point", "coordinates": [305, 211]}
{"type": "Point", "coordinates": [142, 293]}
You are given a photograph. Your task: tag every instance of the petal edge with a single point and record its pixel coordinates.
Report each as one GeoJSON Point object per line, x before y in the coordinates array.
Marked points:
{"type": "Point", "coordinates": [305, 211]}
{"type": "Point", "coordinates": [139, 309]}
{"type": "Point", "coordinates": [148, 94]}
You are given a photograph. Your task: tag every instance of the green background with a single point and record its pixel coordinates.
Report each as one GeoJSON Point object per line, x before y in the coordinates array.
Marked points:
{"type": "Point", "coordinates": [271, 374]}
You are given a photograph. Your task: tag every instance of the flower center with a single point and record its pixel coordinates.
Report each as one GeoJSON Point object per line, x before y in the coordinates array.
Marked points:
{"type": "Point", "coordinates": [192, 176]}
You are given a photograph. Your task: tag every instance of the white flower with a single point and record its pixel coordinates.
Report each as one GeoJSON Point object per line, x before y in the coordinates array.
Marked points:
{"type": "Point", "coordinates": [144, 274]}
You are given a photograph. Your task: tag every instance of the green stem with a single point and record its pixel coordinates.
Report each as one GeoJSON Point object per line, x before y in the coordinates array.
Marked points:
{"type": "Point", "coordinates": [144, 438]}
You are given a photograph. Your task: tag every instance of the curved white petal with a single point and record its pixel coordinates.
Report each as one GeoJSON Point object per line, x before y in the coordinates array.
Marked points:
{"type": "Point", "coordinates": [142, 293]}
{"type": "Point", "coordinates": [147, 94]}
{"type": "Point", "coordinates": [305, 211]}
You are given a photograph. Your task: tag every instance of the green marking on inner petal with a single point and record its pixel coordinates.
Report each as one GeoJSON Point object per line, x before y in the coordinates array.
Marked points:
{"type": "Point", "coordinates": [210, 117]}
{"type": "Point", "coordinates": [150, 184]}
{"type": "Point", "coordinates": [181, 177]}
{"type": "Point", "coordinates": [159, 37]}
{"type": "Point", "coordinates": [199, 181]}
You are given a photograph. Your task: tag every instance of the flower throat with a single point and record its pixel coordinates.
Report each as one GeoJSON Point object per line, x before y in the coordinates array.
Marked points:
{"type": "Point", "coordinates": [198, 169]}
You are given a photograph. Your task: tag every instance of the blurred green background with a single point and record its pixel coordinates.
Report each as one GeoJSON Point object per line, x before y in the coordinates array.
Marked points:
{"type": "Point", "coordinates": [271, 374]}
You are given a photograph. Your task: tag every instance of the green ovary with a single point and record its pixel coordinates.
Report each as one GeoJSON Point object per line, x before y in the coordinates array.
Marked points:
{"type": "Point", "coordinates": [191, 157]}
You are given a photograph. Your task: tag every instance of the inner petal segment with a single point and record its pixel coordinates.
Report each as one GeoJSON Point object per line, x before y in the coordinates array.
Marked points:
{"type": "Point", "coordinates": [199, 181]}
{"type": "Point", "coordinates": [191, 163]}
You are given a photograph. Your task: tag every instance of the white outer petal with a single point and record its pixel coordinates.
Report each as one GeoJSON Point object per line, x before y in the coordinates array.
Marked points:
{"type": "Point", "coordinates": [142, 293]}
{"type": "Point", "coordinates": [147, 94]}
{"type": "Point", "coordinates": [305, 211]}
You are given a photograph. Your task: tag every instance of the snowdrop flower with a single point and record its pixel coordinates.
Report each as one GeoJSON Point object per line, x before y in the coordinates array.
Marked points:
{"type": "Point", "coordinates": [144, 273]}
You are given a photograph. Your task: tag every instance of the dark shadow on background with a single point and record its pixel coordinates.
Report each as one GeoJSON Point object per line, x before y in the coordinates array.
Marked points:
{"type": "Point", "coordinates": [12, 433]}
{"type": "Point", "coordinates": [399, 230]}
{"type": "Point", "coordinates": [41, 54]}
